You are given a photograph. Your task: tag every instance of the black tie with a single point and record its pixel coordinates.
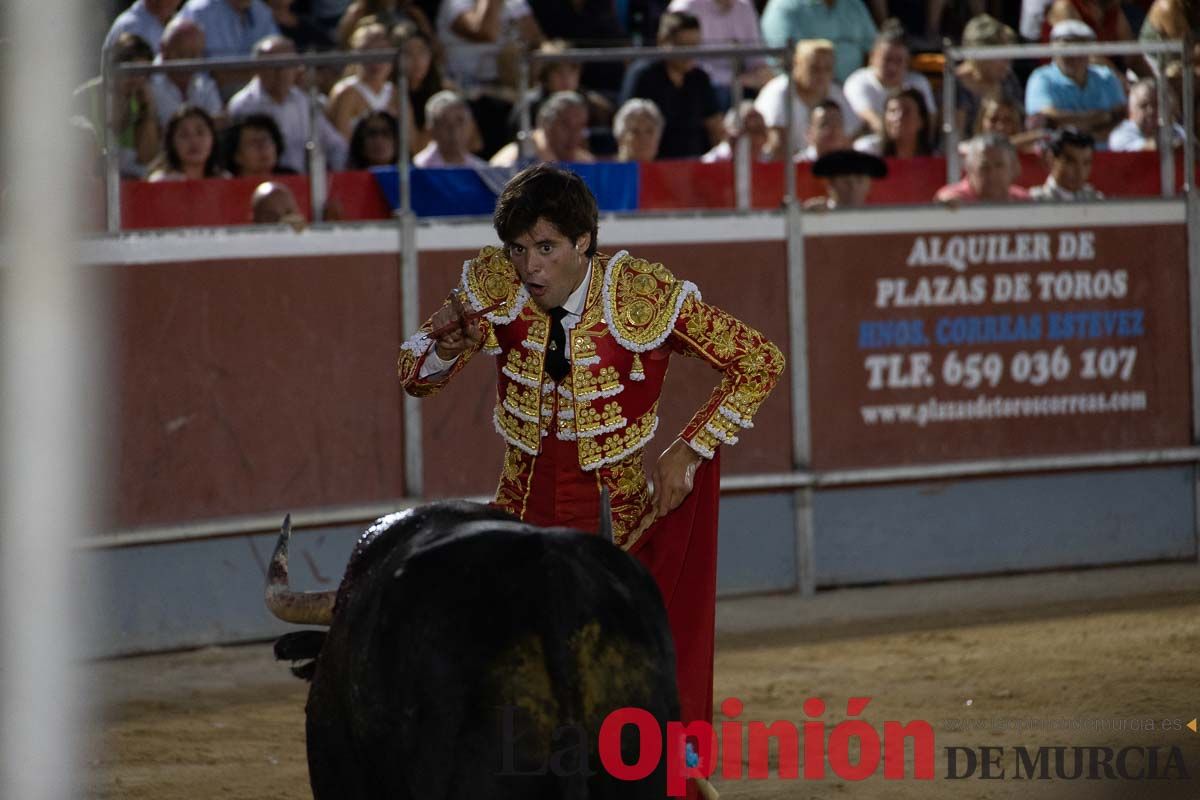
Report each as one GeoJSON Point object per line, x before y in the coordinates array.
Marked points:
{"type": "Point", "coordinates": [556, 355]}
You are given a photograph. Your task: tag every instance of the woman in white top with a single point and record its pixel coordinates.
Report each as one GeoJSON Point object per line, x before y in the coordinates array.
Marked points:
{"type": "Point", "coordinates": [370, 87]}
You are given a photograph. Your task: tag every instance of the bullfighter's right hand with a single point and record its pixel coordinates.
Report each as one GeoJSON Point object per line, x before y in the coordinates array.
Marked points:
{"type": "Point", "coordinates": [460, 337]}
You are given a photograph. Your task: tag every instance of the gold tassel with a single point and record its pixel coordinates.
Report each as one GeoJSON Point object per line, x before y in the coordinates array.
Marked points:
{"type": "Point", "coordinates": [636, 373]}
{"type": "Point", "coordinates": [490, 343]}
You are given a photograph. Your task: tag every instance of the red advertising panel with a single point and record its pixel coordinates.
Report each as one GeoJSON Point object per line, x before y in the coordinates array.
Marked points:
{"type": "Point", "coordinates": [934, 346]}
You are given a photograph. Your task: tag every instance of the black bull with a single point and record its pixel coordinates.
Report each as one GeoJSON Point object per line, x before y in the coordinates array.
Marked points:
{"type": "Point", "coordinates": [470, 655]}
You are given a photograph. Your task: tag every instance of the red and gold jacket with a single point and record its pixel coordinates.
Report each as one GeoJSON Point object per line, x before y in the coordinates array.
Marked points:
{"type": "Point", "coordinates": [636, 314]}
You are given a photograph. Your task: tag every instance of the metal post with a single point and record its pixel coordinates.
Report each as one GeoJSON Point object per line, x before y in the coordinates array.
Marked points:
{"type": "Point", "coordinates": [317, 186]}
{"type": "Point", "coordinates": [1189, 123]}
{"type": "Point", "coordinates": [410, 306]}
{"type": "Point", "coordinates": [949, 116]}
{"type": "Point", "coordinates": [524, 144]}
{"type": "Point", "coordinates": [741, 149]}
{"type": "Point", "coordinates": [1166, 153]}
{"type": "Point", "coordinates": [798, 372]}
{"type": "Point", "coordinates": [112, 147]}
{"type": "Point", "coordinates": [789, 110]}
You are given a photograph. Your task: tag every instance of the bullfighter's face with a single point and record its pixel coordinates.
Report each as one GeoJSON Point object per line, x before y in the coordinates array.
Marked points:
{"type": "Point", "coordinates": [550, 264]}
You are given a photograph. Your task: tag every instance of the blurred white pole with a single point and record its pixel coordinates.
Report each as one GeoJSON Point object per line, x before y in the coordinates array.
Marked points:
{"type": "Point", "coordinates": [47, 347]}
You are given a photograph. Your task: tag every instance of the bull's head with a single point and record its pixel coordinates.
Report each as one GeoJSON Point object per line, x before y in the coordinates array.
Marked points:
{"type": "Point", "coordinates": [301, 608]}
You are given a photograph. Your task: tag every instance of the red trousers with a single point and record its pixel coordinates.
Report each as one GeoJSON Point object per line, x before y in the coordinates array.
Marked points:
{"type": "Point", "coordinates": [680, 550]}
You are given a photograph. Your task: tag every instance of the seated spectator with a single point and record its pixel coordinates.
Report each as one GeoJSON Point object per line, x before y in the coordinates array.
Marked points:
{"type": "Point", "coordinates": [638, 128]}
{"type": "Point", "coordinates": [231, 27]}
{"type": "Point", "coordinates": [992, 168]}
{"type": "Point", "coordinates": [374, 142]}
{"type": "Point", "coordinates": [135, 118]}
{"type": "Point", "coordinates": [560, 135]}
{"type": "Point", "coordinates": [751, 127]}
{"type": "Point", "coordinates": [508, 23]}
{"type": "Point", "coordinates": [907, 128]}
{"type": "Point", "coordinates": [1140, 130]}
{"type": "Point", "coordinates": [587, 23]}
{"type": "Point", "coordinates": [681, 90]}
{"type": "Point", "coordinates": [847, 176]}
{"type": "Point", "coordinates": [145, 19]}
{"type": "Point", "coordinates": [812, 82]}
{"type": "Point", "coordinates": [979, 79]}
{"type": "Point", "coordinates": [189, 148]}
{"type": "Point", "coordinates": [423, 72]}
{"type": "Point", "coordinates": [304, 33]}
{"type": "Point", "coordinates": [274, 204]}
{"type": "Point", "coordinates": [561, 76]}
{"type": "Point", "coordinates": [1172, 20]}
{"type": "Point", "coordinates": [450, 128]}
{"type": "Point", "coordinates": [867, 89]}
{"type": "Point", "coordinates": [1072, 92]}
{"type": "Point", "coordinates": [826, 131]}
{"type": "Point", "coordinates": [388, 13]}
{"type": "Point", "coordinates": [1070, 155]}
{"type": "Point", "coordinates": [368, 87]}
{"type": "Point", "coordinates": [728, 22]}
{"type": "Point", "coordinates": [274, 92]}
{"type": "Point", "coordinates": [846, 22]}
{"type": "Point", "coordinates": [1004, 115]}
{"type": "Point", "coordinates": [252, 147]}
{"type": "Point", "coordinates": [1104, 17]}
{"type": "Point", "coordinates": [182, 40]}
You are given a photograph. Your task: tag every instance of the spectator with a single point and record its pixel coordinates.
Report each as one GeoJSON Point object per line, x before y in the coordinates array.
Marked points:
{"type": "Point", "coordinates": [253, 146]}
{"type": "Point", "coordinates": [1140, 130]}
{"type": "Point", "coordinates": [826, 131]}
{"type": "Point", "coordinates": [1033, 13]}
{"type": "Point", "coordinates": [388, 13]}
{"type": "Point", "coordinates": [847, 176]}
{"type": "Point", "coordinates": [374, 142]}
{"type": "Point", "coordinates": [273, 204]}
{"type": "Point", "coordinates": [1072, 92]}
{"type": "Point", "coordinates": [561, 76]}
{"type": "Point", "coordinates": [846, 22]}
{"type": "Point", "coordinates": [867, 89]}
{"type": "Point", "coordinates": [812, 81]}
{"type": "Point", "coordinates": [999, 113]}
{"type": "Point", "coordinates": [638, 128]}
{"type": "Point", "coordinates": [1104, 17]}
{"type": "Point", "coordinates": [508, 23]}
{"type": "Point", "coordinates": [992, 168]}
{"type": "Point", "coordinates": [1172, 20]}
{"type": "Point", "coordinates": [680, 89]}
{"type": "Point", "coordinates": [450, 128]}
{"type": "Point", "coordinates": [1070, 167]}
{"type": "Point", "coordinates": [978, 79]}
{"type": "Point", "coordinates": [369, 87]}
{"type": "Point", "coordinates": [423, 73]}
{"type": "Point", "coordinates": [304, 33]}
{"type": "Point", "coordinates": [145, 19]}
{"type": "Point", "coordinates": [189, 148]}
{"type": "Point", "coordinates": [135, 118]}
{"type": "Point", "coordinates": [907, 128]}
{"type": "Point", "coordinates": [183, 39]}
{"type": "Point", "coordinates": [274, 92]}
{"type": "Point", "coordinates": [728, 22]}
{"type": "Point", "coordinates": [751, 126]}
{"type": "Point", "coordinates": [231, 27]}
{"type": "Point", "coordinates": [586, 23]}
{"type": "Point", "coordinates": [560, 135]}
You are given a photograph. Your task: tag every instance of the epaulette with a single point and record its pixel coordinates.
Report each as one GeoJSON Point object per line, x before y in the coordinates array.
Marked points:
{"type": "Point", "coordinates": [642, 301]}
{"type": "Point", "coordinates": [490, 278]}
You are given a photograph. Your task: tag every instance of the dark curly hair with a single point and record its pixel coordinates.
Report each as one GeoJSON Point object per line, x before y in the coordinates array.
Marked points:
{"type": "Point", "coordinates": [233, 138]}
{"type": "Point", "coordinates": [358, 139]}
{"type": "Point", "coordinates": [212, 166]}
{"type": "Point", "coordinates": [545, 191]}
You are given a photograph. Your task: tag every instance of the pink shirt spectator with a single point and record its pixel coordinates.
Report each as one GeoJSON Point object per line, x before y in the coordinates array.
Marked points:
{"type": "Point", "coordinates": [737, 24]}
{"type": "Point", "coordinates": [431, 158]}
{"type": "Point", "coordinates": [963, 193]}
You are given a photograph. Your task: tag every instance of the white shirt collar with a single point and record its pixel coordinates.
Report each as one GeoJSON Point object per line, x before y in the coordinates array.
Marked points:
{"type": "Point", "coordinates": [574, 304]}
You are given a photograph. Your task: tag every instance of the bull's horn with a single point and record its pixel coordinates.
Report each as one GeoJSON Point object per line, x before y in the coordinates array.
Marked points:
{"type": "Point", "coordinates": [605, 515]}
{"type": "Point", "coordinates": [301, 608]}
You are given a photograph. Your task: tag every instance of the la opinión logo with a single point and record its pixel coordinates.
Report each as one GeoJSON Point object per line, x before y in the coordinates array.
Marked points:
{"type": "Point", "coordinates": [727, 743]}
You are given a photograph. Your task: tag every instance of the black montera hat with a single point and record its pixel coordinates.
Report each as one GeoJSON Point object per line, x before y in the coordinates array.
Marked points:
{"type": "Point", "coordinates": [849, 162]}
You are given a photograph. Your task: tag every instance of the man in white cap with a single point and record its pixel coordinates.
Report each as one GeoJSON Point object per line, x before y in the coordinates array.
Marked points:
{"type": "Point", "coordinates": [1072, 92]}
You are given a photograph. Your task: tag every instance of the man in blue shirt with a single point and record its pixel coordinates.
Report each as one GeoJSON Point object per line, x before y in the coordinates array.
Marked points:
{"type": "Point", "coordinates": [231, 27]}
{"type": "Point", "coordinates": [1070, 92]}
{"type": "Point", "coordinates": [145, 19]}
{"type": "Point", "coordinates": [846, 23]}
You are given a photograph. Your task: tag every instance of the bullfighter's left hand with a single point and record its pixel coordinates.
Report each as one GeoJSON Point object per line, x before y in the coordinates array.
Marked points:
{"type": "Point", "coordinates": [673, 477]}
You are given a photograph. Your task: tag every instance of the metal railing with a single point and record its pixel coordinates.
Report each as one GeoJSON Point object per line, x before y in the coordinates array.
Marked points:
{"type": "Point", "coordinates": [955, 55]}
